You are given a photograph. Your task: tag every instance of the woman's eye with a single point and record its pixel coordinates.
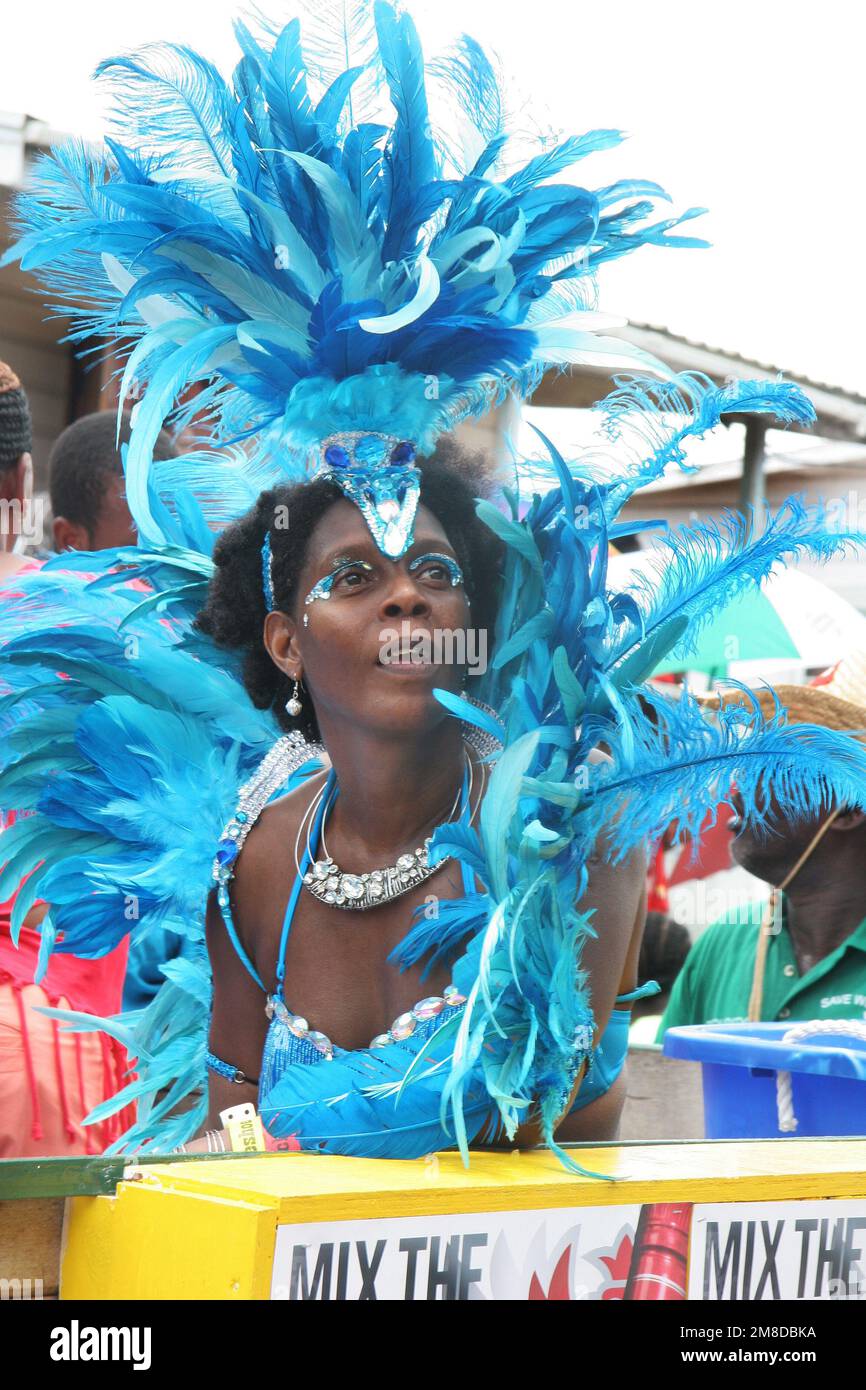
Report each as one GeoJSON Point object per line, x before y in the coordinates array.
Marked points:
{"type": "Point", "coordinates": [352, 579]}
{"type": "Point", "coordinates": [444, 574]}
{"type": "Point", "coordinates": [438, 569]}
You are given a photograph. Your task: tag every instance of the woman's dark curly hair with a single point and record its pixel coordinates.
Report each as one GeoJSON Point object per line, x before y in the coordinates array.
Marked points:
{"type": "Point", "coordinates": [234, 613]}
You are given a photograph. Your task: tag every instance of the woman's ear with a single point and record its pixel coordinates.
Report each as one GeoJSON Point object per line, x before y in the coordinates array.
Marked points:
{"type": "Point", "coordinates": [281, 640]}
{"type": "Point", "coordinates": [69, 535]}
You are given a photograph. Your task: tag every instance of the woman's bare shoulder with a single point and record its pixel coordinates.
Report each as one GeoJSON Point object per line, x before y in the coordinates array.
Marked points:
{"type": "Point", "coordinates": [273, 837]}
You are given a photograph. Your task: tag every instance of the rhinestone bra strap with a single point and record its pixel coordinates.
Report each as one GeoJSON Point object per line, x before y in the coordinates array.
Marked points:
{"type": "Point", "coordinates": [225, 909]}
{"type": "Point", "coordinates": [299, 881]}
{"type": "Point", "coordinates": [286, 757]}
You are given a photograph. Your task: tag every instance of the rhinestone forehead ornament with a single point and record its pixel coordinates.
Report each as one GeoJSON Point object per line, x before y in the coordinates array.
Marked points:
{"type": "Point", "coordinates": [377, 473]}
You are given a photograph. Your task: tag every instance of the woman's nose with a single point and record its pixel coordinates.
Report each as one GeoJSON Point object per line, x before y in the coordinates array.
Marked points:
{"type": "Point", "coordinates": [404, 598]}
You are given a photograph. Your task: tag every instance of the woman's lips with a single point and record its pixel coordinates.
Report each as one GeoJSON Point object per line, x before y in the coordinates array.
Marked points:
{"type": "Point", "coordinates": [407, 667]}
{"type": "Point", "coordinates": [412, 658]}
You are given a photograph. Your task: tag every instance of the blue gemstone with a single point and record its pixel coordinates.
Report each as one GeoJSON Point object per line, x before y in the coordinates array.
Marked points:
{"type": "Point", "coordinates": [404, 452]}
{"type": "Point", "coordinates": [370, 450]}
{"type": "Point", "coordinates": [242, 817]}
{"type": "Point", "coordinates": [227, 851]}
{"type": "Point", "coordinates": [336, 456]}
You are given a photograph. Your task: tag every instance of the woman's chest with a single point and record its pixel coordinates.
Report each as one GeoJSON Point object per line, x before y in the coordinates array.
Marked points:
{"type": "Point", "coordinates": [334, 963]}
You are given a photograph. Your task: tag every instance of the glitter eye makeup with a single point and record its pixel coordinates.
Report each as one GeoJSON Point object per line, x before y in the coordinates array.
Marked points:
{"type": "Point", "coordinates": [322, 588]}
{"type": "Point", "coordinates": [455, 573]}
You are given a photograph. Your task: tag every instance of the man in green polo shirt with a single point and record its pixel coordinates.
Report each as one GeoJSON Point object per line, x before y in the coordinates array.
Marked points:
{"type": "Point", "coordinates": [814, 965]}
{"type": "Point", "coordinates": [715, 982]}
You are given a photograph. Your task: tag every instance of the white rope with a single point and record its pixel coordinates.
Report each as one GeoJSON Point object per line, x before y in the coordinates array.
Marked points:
{"type": "Point", "coordinates": [848, 1027]}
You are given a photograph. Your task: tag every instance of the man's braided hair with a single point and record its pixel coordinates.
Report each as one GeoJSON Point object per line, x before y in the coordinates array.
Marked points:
{"type": "Point", "coordinates": [16, 426]}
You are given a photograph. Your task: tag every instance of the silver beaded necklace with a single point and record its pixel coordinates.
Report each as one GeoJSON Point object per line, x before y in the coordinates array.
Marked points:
{"type": "Point", "coordinates": [286, 756]}
{"type": "Point", "coordinates": [359, 892]}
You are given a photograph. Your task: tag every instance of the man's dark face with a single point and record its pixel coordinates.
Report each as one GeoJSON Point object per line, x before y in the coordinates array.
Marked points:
{"type": "Point", "coordinates": [771, 851]}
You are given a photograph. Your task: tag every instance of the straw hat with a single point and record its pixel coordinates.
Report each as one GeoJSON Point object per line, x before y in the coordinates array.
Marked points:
{"type": "Point", "coordinates": [835, 700]}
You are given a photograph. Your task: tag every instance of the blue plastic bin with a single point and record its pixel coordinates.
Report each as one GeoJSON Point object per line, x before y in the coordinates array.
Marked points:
{"type": "Point", "coordinates": [740, 1063]}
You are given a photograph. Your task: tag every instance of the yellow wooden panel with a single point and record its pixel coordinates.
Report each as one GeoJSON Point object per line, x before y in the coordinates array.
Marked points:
{"type": "Point", "coordinates": [149, 1241]}
{"type": "Point", "coordinates": [306, 1187]}
{"type": "Point", "coordinates": [207, 1229]}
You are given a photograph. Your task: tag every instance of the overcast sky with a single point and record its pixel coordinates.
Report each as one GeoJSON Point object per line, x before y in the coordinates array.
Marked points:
{"type": "Point", "coordinates": [753, 108]}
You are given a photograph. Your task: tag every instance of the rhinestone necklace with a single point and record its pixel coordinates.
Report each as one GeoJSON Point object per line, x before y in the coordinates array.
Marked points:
{"type": "Point", "coordinates": [359, 892]}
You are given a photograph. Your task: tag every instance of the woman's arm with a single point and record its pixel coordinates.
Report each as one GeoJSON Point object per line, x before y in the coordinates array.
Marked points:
{"type": "Point", "coordinates": [617, 893]}
{"type": "Point", "coordinates": [611, 961]}
{"type": "Point", "coordinates": [238, 1020]}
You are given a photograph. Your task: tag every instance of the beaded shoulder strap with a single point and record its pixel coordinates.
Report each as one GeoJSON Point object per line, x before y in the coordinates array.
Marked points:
{"type": "Point", "coordinates": [286, 756]}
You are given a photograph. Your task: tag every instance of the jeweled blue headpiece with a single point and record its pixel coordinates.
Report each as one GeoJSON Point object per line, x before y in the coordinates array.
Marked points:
{"type": "Point", "coordinates": [376, 472]}
{"type": "Point", "coordinates": [319, 266]}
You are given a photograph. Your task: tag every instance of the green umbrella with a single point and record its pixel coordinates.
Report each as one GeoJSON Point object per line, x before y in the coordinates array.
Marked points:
{"type": "Point", "coordinates": [791, 616]}
{"type": "Point", "coordinates": [749, 629]}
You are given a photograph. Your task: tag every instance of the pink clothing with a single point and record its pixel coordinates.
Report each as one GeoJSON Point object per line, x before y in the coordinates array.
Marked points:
{"type": "Point", "coordinates": [49, 1080]}
{"type": "Point", "coordinates": [93, 986]}
{"type": "Point", "coordinates": [64, 1074]}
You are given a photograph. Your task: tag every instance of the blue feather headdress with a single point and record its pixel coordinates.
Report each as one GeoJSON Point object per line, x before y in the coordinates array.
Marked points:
{"type": "Point", "coordinates": [335, 280]}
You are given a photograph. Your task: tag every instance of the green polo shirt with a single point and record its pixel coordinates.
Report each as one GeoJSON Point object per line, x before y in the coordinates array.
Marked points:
{"type": "Point", "coordinates": [715, 983]}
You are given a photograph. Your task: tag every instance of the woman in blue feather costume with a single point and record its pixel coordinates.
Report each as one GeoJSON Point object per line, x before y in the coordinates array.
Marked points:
{"type": "Point", "coordinates": [342, 281]}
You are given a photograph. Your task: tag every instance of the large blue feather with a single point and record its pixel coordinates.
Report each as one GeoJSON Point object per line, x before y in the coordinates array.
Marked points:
{"type": "Point", "coordinates": [701, 568]}
{"type": "Point", "coordinates": [683, 769]}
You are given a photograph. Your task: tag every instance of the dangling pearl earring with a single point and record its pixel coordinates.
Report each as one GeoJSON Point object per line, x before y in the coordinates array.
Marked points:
{"type": "Point", "coordinates": [294, 706]}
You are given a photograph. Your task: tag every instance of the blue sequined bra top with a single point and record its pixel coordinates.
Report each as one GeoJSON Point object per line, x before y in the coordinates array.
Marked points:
{"type": "Point", "coordinates": [290, 1041]}
{"type": "Point", "coordinates": [334, 1100]}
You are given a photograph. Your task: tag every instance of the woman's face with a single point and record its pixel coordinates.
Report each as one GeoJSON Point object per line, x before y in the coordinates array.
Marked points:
{"type": "Point", "coordinates": [381, 634]}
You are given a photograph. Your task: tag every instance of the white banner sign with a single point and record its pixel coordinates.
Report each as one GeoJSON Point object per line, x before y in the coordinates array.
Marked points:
{"type": "Point", "coordinates": [743, 1251]}
{"type": "Point", "coordinates": [768, 1251]}
{"type": "Point", "coordinates": [554, 1254]}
